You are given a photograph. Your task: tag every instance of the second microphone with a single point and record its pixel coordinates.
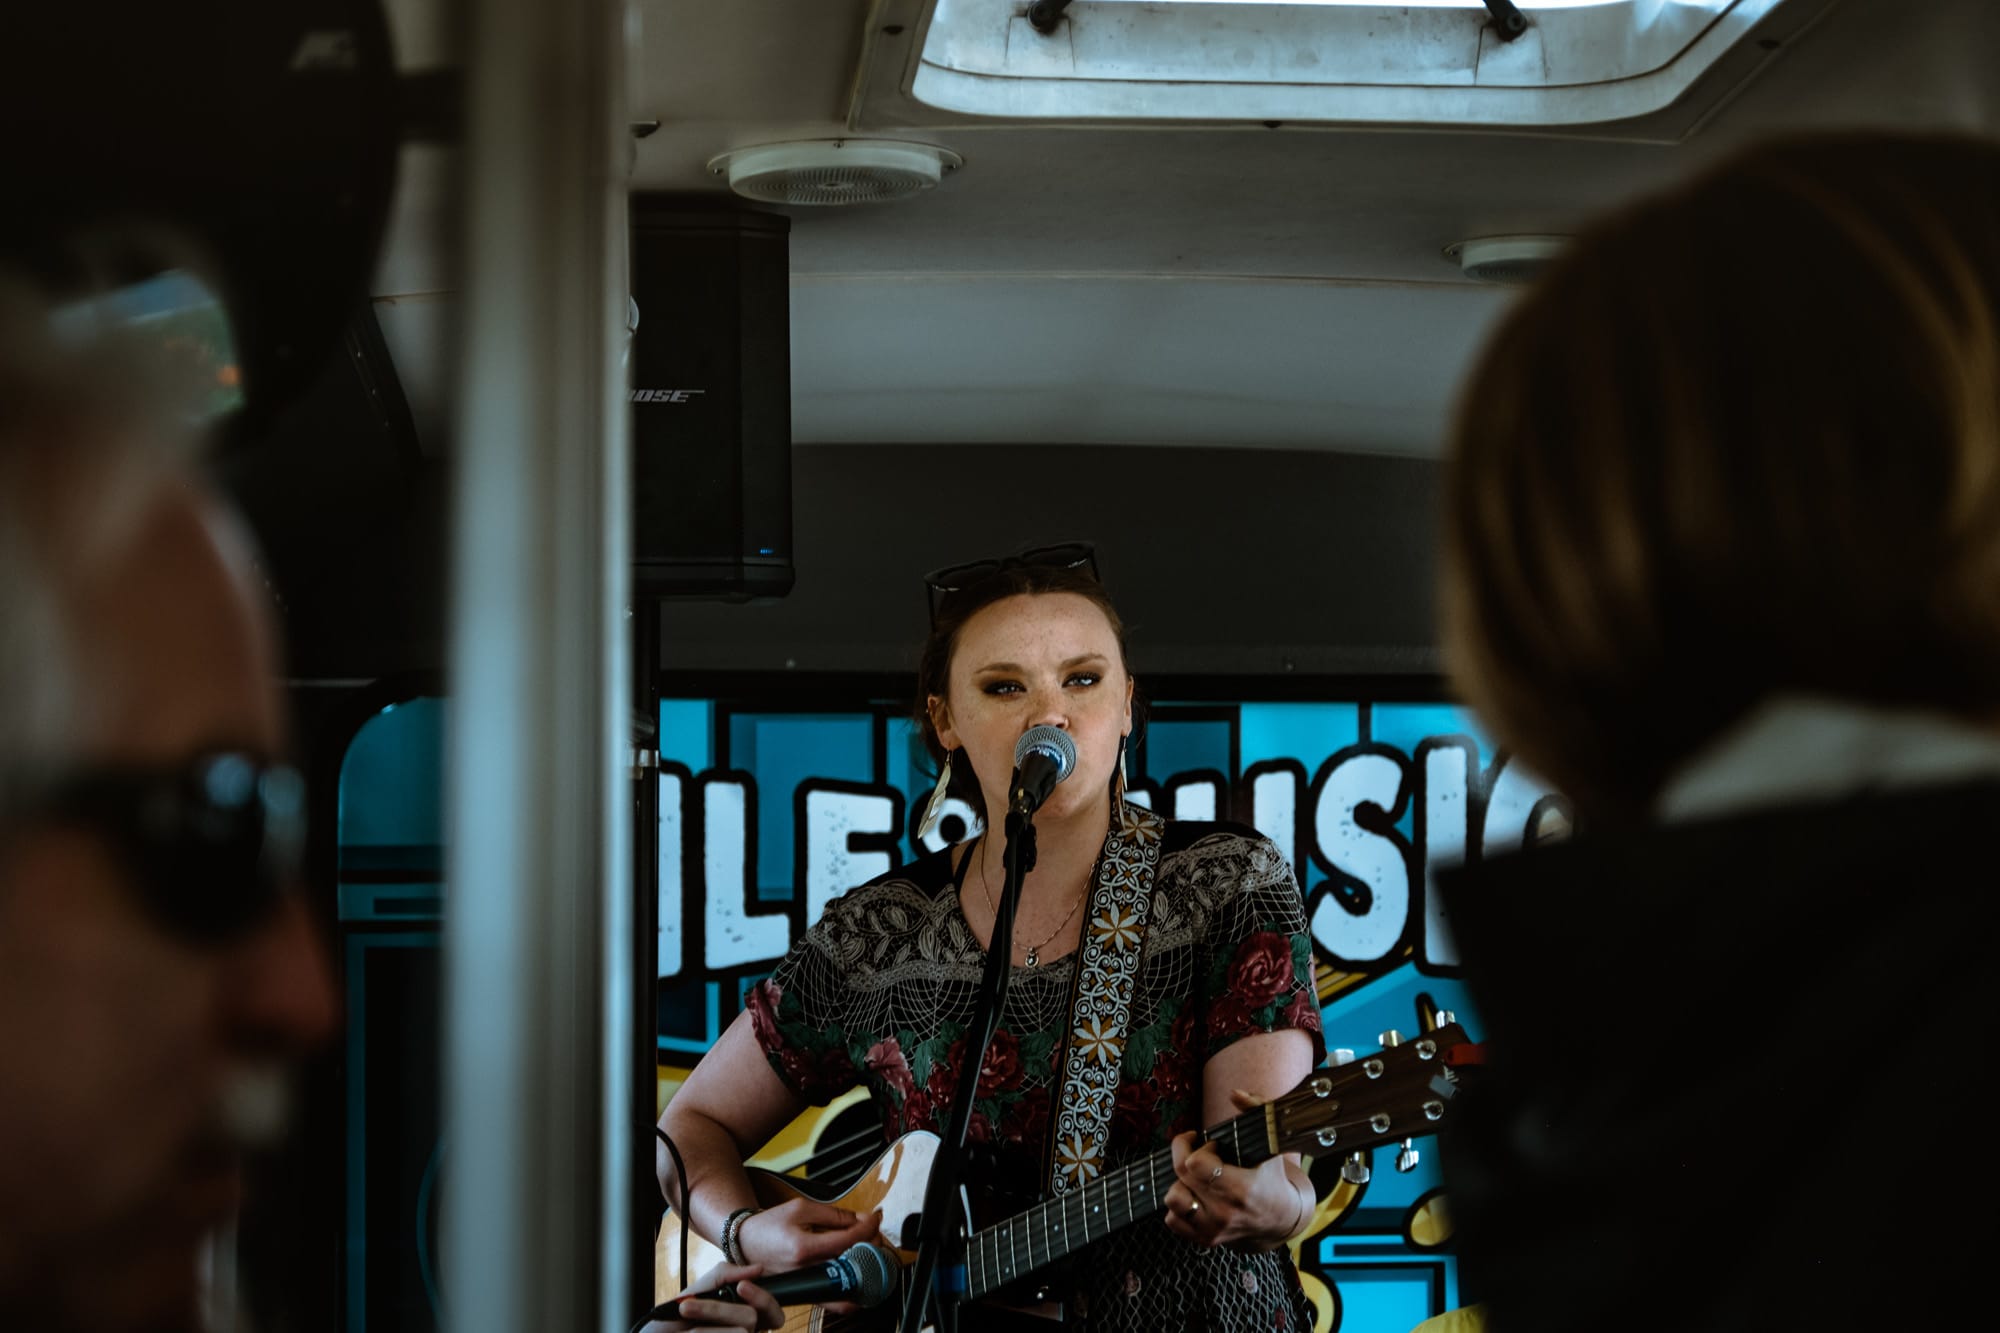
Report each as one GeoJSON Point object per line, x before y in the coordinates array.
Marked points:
{"type": "Point", "coordinates": [863, 1273]}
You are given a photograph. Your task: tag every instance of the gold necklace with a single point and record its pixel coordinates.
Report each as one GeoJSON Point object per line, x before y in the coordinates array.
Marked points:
{"type": "Point", "coordinates": [1034, 950]}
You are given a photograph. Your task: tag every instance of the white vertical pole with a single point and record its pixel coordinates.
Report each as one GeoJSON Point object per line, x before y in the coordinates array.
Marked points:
{"type": "Point", "coordinates": [537, 919]}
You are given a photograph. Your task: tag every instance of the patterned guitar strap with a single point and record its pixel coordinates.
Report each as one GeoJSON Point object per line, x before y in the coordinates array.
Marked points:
{"type": "Point", "coordinates": [1107, 974]}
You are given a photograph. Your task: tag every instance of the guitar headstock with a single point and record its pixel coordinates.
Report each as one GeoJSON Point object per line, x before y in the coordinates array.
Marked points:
{"type": "Point", "coordinates": [1399, 1092]}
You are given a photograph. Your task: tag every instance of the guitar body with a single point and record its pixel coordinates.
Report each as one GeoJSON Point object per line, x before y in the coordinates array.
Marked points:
{"type": "Point", "coordinates": [894, 1182]}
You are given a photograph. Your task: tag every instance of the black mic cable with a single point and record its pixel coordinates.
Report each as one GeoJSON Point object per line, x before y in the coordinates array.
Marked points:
{"type": "Point", "coordinates": [686, 1210]}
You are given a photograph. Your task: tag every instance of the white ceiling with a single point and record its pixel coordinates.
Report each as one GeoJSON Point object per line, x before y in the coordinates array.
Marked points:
{"type": "Point", "coordinates": [1221, 285]}
{"type": "Point", "coordinates": [1141, 358]}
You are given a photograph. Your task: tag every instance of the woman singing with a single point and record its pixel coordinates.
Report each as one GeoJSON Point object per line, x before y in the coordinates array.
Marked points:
{"type": "Point", "coordinates": [1210, 981]}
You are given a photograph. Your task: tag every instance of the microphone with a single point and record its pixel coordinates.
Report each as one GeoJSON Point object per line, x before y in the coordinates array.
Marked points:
{"type": "Point", "coordinates": [864, 1273]}
{"type": "Point", "coordinates": [1043, 757]}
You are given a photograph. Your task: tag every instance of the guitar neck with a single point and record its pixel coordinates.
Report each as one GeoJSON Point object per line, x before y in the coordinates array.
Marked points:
{"type": "Point", "coordinates": [1058, 1227]}
{"type": "Point", "coordinates": [1398, 1092]}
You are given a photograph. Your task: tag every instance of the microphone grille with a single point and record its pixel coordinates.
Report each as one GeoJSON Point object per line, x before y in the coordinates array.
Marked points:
{"type": "Point", "coordinates": [1052, 741]}
{"type": "Point", "coordinates": [875, 1266]}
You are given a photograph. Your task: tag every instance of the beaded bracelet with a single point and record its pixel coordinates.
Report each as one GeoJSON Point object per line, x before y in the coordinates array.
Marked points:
{"type": "Point", "coordinates": [732, 1246]}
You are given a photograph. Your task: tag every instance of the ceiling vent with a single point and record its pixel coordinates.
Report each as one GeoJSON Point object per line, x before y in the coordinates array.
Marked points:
{"type": "Point", "coordinates": [834, 171]}
{"type": "Point", "coordinates": [1511, 259]}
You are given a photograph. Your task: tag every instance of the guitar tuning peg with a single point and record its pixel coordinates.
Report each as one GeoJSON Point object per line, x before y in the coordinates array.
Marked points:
{"type": "Point", "coordinates": [1390, 1038]}
{"type": "Point", "coordinates": [1341, 1055]}
{"type": "Point", "coordinates": [1407, 1157]}
{"type": "Point", "coordinates": [1355, 1169]}
{"type": "Point", "coordinates": [1445, 1018]}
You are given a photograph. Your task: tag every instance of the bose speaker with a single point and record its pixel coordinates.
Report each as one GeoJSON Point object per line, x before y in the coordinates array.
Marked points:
{"type": "Point", "coordinates": [711, 400]}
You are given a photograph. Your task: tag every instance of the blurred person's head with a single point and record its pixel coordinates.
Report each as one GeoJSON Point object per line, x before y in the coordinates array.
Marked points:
{"type": "Point", "coordinates": [154, 971]}
{"type": "Point", "coordinates": [1742, 440]}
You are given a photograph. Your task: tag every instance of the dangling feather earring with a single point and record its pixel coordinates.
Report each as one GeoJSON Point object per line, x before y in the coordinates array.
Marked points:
{"type": "Point", "coordinates": [934, 808]}
{"type": "Point", "coordinates": [1123, 815]}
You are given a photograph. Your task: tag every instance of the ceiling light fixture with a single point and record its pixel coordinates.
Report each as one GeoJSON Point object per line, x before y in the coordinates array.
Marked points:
{"type": "Point", "coordinates": [834, 171]}
{"type": "Point", "coordinates": [1508, 259]}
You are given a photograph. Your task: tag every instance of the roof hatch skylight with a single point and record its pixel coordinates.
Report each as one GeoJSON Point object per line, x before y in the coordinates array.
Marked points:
{"type": "Point", "coordinates": [1324, 61]}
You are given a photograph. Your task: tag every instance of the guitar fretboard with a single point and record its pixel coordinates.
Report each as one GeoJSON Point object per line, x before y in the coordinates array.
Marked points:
{"type": "Point", "coordinates": [1058, 1227]}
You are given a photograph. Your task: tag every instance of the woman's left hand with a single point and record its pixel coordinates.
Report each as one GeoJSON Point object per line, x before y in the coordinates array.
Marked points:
{"type": "Point", "coordinates": [1212, 1203]}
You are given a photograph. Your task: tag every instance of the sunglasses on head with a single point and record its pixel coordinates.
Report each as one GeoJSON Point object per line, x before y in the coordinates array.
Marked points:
{"type": "Point", "coordinates": [213, 847]}
{"type": "Point", "coordinates": [954, 580]}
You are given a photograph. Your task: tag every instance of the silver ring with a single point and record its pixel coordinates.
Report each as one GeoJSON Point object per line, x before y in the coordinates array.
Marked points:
{"type": "Point", "coordinates": [1194, 1208]}
{"type": "Point", "coordinates": [1215, 1174]}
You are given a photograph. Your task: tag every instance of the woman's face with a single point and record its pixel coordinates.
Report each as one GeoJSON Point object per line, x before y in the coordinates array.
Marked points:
{"type": "Point", "coordinates": [1037, 659]}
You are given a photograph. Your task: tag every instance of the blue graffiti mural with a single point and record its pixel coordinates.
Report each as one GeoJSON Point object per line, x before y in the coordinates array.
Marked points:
{"type": "Point", "coordinates": [766, 813]}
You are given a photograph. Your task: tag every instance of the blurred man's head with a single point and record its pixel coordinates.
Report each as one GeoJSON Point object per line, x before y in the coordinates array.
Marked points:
{"type": "Point", "coordinates": [1742, 440]}
{"type": "Point", "coordinates": [153, 970]}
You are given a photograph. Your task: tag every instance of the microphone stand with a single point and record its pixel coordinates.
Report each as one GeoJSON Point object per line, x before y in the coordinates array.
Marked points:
{"type": "Point", "coordinates": [938, 1211]}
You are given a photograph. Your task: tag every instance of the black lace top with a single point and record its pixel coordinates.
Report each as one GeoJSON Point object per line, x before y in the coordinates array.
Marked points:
{"type": "Point", "coordinates": [881, 990]}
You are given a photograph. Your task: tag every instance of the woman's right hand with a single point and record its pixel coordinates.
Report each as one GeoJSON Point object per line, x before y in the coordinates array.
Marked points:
{"type": "Point", "coordinates": [758, 1310]}
{"type": "Point", "coordinates": [799, 1232]}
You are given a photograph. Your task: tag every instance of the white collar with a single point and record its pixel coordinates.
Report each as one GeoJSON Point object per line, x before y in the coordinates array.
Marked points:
{"type": "Point", "coordinates": [1798, 749]}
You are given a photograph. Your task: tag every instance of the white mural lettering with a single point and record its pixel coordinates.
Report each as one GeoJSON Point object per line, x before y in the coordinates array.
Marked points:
{"type": "Point", "coordinates": [733, 936]}
{"type": "Point", "coordinates": [1509, 808]}
{"type": "Point", "coordinates": [1361, 916]}
{"type": "Point", "coordinates": [1274, 810]}
{"type": "Point", "coordinates": [833, 865]}
{"type": "Point", "coordinates": [1450, 766]}
{"type": "Point", "coordinates": [670, 852]}
{"type": "Point", "coordinates": [1197, 798]}
{"type": "Point", "coordinates": [957, 818]}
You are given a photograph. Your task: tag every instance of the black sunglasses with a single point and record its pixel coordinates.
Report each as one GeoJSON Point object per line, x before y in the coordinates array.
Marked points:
{"type": "Point", "coordinates": [213, 846]}
{"type": "Point", "coordinates": [947, 583]}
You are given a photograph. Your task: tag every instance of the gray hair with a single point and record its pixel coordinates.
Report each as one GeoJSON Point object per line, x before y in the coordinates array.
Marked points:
{"type": "Point", "coordinates": [84, 443]}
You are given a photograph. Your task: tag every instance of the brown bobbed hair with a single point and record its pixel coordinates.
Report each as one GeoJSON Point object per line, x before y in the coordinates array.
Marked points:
{"type": "Point", "coordinates": [1741, 439]}
{"type": "Point", "coordinates": [934, 663]}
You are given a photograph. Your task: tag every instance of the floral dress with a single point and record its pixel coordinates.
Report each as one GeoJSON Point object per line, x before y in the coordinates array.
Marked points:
{"type": "Point", "coordinates": [881, 991]}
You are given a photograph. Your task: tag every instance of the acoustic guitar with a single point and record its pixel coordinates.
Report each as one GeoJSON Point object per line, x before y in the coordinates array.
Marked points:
{"type": "Point", "coordinates": [1401, 1091]}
